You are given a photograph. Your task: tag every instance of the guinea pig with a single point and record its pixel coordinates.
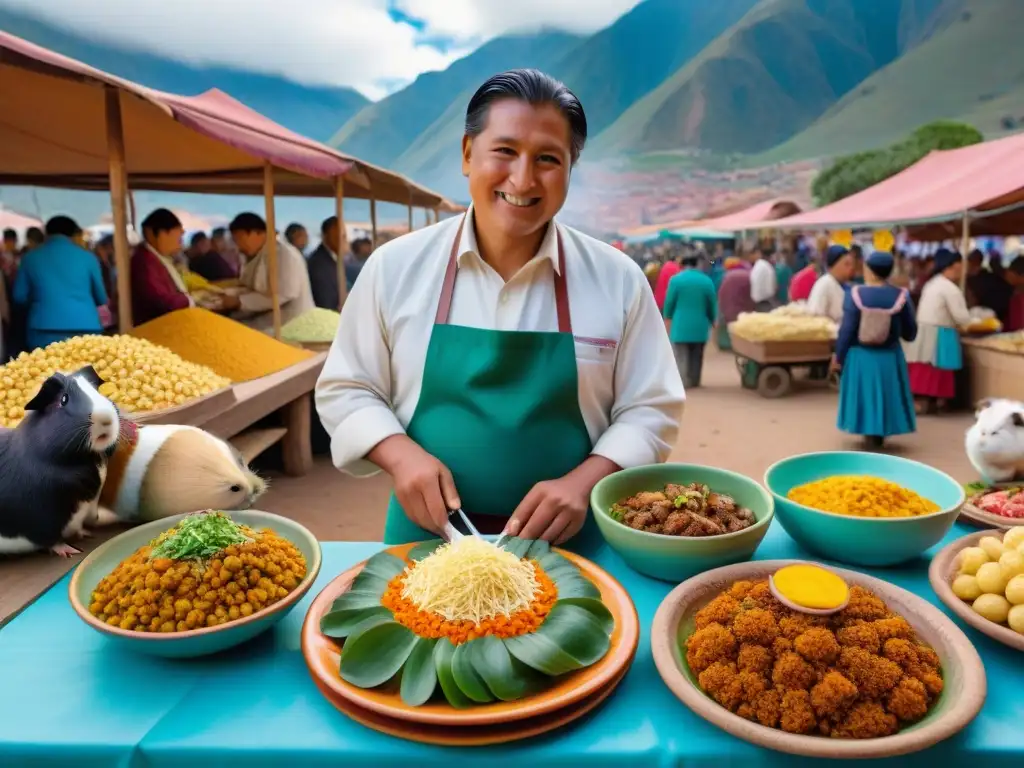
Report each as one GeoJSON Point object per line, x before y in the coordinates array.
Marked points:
{"type": "Point", "coordinates": [995, 442]}
{"type": "Point", "coordinates": [161, 470]}
{"type": "Point", "coordinates": [53, 465]}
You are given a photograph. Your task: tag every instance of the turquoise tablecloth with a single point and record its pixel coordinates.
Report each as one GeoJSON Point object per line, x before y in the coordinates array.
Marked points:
{"type": "Point", "coordinates": [66, 698]}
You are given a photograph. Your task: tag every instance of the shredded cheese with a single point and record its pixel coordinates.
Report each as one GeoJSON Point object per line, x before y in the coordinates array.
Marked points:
{"type": "Point", "coordinates": [471, 580]}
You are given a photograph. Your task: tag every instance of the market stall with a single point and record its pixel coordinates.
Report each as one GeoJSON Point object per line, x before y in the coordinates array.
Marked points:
{"type": "Point", "coordinates": [71, 125]}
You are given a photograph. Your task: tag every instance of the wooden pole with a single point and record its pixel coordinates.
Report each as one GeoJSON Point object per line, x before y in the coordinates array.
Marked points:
{"type": "Point", "coordinates": [410, 217]}
{"type": "Point", "coordinates": [118, 207]}
{"type": "Point", "coordinates": [268, 202]}
{"type": "Point", "coordinates": [965, 244]}
{"type": "Point", "coordinates": [339, 211]}
{"type": "Point", "coordinates": [373, 220]}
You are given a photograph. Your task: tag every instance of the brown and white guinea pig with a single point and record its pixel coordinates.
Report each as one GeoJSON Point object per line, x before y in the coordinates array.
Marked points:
{"type": "Point", "coordinates": [162, 470]}
{"type": "Point", "coordinates": [53, 465]}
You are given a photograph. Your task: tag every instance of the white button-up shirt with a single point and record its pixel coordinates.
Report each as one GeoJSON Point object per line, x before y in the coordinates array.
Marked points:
{"type": "Point", "coordinates": [827, 297]}
{"type": "Point", "coordinates": [630, 392]}
{"type": "Point", "coordinates": [763, 283]}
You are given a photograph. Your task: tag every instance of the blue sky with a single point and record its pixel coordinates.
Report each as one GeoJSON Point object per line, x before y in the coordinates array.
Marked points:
{"type": "Point", "coordinates": [375, 46]}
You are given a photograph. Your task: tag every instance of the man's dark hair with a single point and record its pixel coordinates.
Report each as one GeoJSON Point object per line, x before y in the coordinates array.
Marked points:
{"type": "Point", "coordinates": [197, 238]}
{"type": "Point", "coordinates": [218, 232]}
{"type": "Point", "coordinates": [361, 241]}
{"type": "Point", "coordinates": [107, 241]}
{"type": "Point", "coordinates": [10, 234]}
{"type": "Point", "coordinates": [293, 229]}
{"type": "Point", "coordinates": [34, 235]}
{"type": "Point", "coordinates": [1017, 265]}
{"type": "Point", "coordinates": [161, 220]}
{"type": "Point", "coordinates": [328, 224]}
{"type": "Point", "coordinates": [62, 225]}
{"type": "Point", "coordinates": [248, 222]}
{"type": "Point", "coordinates": [689, 261]}
{"type": "Point", "coordinates": [533, 87]}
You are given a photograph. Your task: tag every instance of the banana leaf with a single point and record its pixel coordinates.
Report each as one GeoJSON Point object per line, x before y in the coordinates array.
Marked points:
{"type": "Point", "coordinates": [538, 548]}
{"type": "Point", "coordinates": [570, 638]}
{"type": "Point", "coordinates": [340, 624]}
{"type": "Point", "coordinates": [444, 651]}
{"type": "Point", "coordinates": [596, 608]}
{"type": "Point", "coordinates": [423, 549]}
{"type": "Point", "coordinates": [419, 677]}
{"type": "Point", "coordinates": [375, 653]}
{"type": "Point", "coordinates": [466, 676]}
{"type": "Point", "coordinates": [518, 547]}
{"type": "Point", "coordinates": [348, 608]}
{"type": "Point", "coordinates": [378, 571]}
{"type": "Point", "coordinates": [575, 585]}
{"type": "Point", "coordinates": [491, 660]}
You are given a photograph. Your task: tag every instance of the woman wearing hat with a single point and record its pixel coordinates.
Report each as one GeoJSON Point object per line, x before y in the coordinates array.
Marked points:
{"type": "Point", "coordinates": [874, 390]}
{"type": "Point", "coordinates": [935, 355]}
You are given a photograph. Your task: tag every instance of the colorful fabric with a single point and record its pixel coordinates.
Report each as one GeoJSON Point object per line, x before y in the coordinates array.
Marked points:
{"type": "Point", "coordinates": [874, 393]}
{"type": "Point", "coordinates": [928, 381]}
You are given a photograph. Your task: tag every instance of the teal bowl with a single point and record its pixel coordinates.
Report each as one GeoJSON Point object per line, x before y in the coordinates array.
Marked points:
{"type": "Point", "coordinates": [677, 558]}
{"type": "Point", "coordinates": [869, 541]}
{"type": "Point", "coordinates": [196, 642]}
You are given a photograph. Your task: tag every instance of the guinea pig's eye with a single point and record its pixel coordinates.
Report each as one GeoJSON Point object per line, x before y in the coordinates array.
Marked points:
{"type": "Point", "coordinates": [64, 399]}
{"type": "Point", "coordinates": [236, 488]}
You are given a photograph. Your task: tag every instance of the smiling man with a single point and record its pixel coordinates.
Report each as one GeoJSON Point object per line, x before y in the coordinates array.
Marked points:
{"type": "Point", "coordinates": [501, 362]}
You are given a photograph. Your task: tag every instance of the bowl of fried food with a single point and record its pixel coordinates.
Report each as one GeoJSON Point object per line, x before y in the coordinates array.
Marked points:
{"type": "Point", "coordinates": [883, 673]}
{"type": "Point", "coordinates": [195, 584]}
{"type": "Point", "coordinates": [863, 508]}
{"type": "Point", "coordinates": [672, 521]}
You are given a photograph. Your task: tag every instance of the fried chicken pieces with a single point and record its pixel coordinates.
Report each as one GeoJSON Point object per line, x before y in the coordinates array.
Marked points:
{"type": "Point", "coordinates": [859, 674]}
{"type": "Point", "coordinates": [683, 510]}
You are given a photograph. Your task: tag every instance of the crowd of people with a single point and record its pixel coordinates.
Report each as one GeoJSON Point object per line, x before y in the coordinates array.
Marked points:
{"type": "Point", "coordinates": [58, 284]}
{"type": "Point", "coordinates": [900, 320]}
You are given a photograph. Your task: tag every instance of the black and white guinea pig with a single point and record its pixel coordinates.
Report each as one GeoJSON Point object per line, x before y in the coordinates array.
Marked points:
{"type": "Point", "coordinates": [160, 470]}
{"type": "Point", "coordinates": [53, 465]}
{"type": "Point", "coordinates": [995, 442]}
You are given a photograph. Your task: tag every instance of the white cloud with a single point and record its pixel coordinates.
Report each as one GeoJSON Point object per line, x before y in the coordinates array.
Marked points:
{"type": "Point", "coordinates": [336, 42]}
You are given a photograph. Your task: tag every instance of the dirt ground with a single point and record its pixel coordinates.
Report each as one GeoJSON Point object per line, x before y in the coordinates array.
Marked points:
{"type": "Point", "coordinates": [723, 425]}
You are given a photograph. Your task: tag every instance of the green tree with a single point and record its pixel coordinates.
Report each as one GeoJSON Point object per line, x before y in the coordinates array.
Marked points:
{"type": "Point", "coordinates": [852, 173]}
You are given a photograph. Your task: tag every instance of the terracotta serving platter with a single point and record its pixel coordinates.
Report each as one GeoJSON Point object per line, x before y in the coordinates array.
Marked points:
{"type": "Point", "coordinates": [941, 574]}
{"type": "Point", "coordinates": [973, 515]}
{"type": "Point", "coordinates": [323, 657]}
{"type": "Point", "coordinates": [962, 670]}
{"type": "Point", "coordinates": [472, 736]}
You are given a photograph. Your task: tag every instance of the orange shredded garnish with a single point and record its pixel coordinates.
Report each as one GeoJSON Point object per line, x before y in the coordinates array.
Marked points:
{"type": "Point", "coordinates": [433, 625]}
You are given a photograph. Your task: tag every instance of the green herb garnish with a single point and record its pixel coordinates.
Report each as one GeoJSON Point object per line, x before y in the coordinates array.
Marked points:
{"type": "Point", "coordinates": [198, 537]}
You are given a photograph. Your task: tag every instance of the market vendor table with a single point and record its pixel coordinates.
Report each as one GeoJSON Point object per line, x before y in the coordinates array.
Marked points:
{"type": "Point", "coordinates": [70, 699]}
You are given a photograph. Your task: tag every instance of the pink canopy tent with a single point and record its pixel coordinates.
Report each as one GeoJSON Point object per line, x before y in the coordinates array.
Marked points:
{"type": "Point", "coordinates": [66, 124]}
{"type": "Point", "coordinates": [982, 183]}
{"type": "Point", "coordinates": [12, 220]}
{"type": "Point", "coordinates": [754, 217]}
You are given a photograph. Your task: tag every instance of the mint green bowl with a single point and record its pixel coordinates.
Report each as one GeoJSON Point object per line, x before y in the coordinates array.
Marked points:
{"type": "Point", "coordinates": [677, 558]}
{"type": "Point", "coordinates": [196, 642]}
{"type": "Point", "coordinates": [870, 541]}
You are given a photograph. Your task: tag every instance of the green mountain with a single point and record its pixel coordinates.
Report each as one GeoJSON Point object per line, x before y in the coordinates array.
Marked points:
{"type": "Point", "coordinates": [312, 111]}
{"type": "Point", "coordinates": [382, 131]}
{"type": "Point", "coordinates": [770, 75]}
{"type": "Point", "coordinates": [978, 53]}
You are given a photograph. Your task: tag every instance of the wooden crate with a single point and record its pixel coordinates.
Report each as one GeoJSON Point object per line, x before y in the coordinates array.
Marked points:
{"type": "Point", "coordinates": [781, 352]}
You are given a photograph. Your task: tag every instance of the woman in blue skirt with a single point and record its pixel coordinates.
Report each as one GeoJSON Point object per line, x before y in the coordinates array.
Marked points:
{"type": "Point", "coordinates": [874, 389]}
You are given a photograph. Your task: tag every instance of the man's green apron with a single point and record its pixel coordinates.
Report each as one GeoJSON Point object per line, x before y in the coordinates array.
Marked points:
{"type": "Point", "coordinates": [500, 409]}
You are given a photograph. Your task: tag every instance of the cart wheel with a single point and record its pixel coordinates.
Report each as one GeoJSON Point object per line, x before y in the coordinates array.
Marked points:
{"type": "Point", "coordinates": [774, 381]}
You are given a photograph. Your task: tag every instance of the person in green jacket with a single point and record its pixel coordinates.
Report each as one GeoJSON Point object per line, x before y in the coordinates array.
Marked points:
{"type": "Point", "coordinates": [690, 311]}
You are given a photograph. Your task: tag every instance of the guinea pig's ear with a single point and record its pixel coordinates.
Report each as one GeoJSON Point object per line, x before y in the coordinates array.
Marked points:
{"type": "Point", "coordinates": [1018, 419]}
{"type": "Point", "coordinates": [981, 405]}
{"type": "Point", "coordinates": [48, 394]}
{"type": "Point", "coordinates": [88, 373]}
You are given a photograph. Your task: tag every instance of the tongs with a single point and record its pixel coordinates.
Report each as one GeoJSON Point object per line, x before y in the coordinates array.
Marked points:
{"type": "Point", "coordinates": [457, 520]}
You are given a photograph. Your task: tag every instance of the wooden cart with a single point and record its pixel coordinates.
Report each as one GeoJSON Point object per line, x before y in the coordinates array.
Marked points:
{"type": "Point", "coordinates": [767, 366]}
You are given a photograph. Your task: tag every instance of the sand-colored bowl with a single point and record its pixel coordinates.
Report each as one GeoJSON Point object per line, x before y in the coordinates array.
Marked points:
{"type": "Point", "coordinates": [323, 657]}
{"type": "Point", "coordinates": [976, 516]}
{"type": "Point", "coordinates": [963, 672]}
{"type": "Point", "coordinates": [675, 558]}
{"type": "Point", "coordinates": [870, 541]}
{"type": "Point", "coordinates": [196, 642]}
{"type": "Point", "coordinates": [941, 573]}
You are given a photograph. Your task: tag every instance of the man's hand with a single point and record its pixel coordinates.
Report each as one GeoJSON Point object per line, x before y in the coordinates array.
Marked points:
{"type": "Point", "coordinates": [229, 302]}
{"type": "Point", "coordinates": [834, 366]}
{"type": "Point", "coordinates": [423, 485]}
{"type": "Point", "coordinates": [555, 510]}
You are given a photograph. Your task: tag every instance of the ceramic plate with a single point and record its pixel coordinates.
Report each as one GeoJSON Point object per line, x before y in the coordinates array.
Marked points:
{"type": "Point", "coordinates": [941, 572]}
{"type": "Point", "coordinates": [973, 515]}
{"type": "Point", "coordinates": [472, 736]}
{"type": "Point", "coordinates": [962, 670]}
{"type": "Point", "coordinates": [323, 657]}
